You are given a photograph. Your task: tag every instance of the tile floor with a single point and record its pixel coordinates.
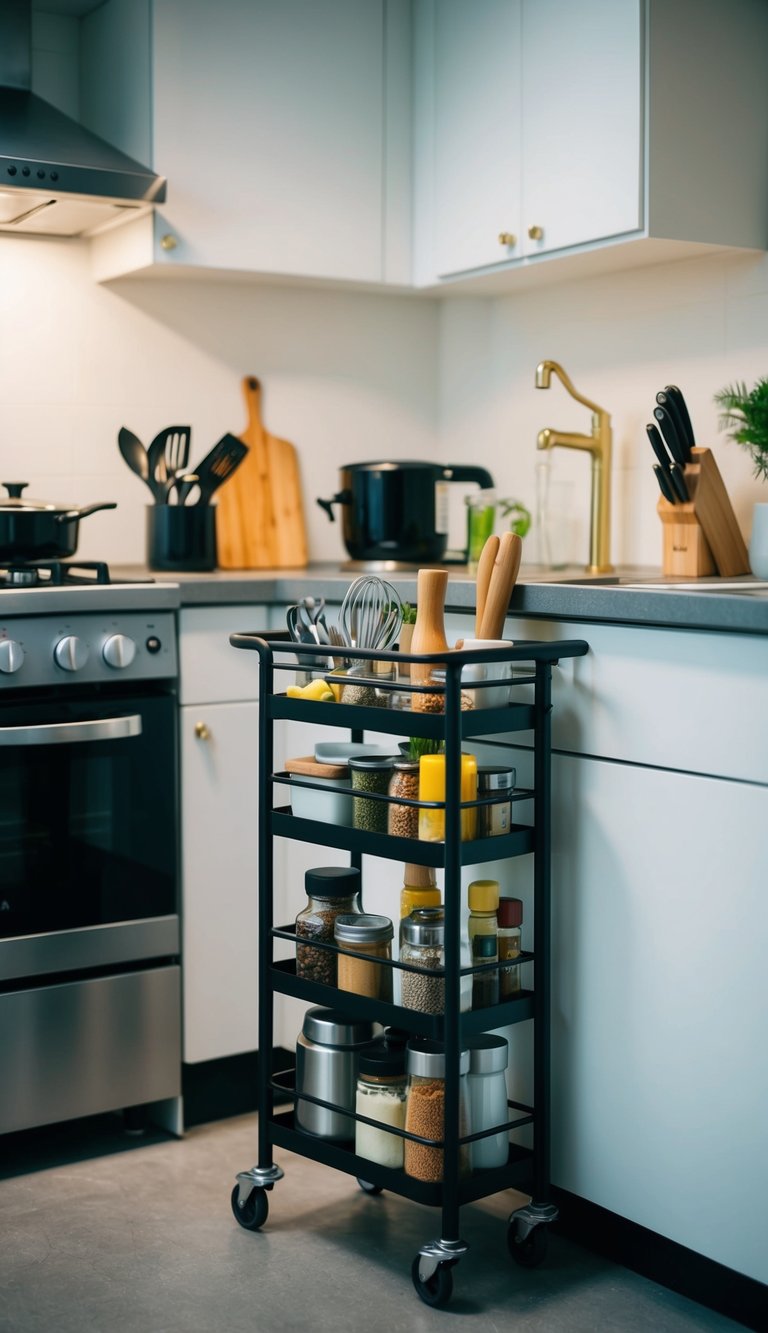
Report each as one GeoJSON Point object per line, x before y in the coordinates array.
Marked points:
{"type": "Point", "coordinates": [102, 1233]}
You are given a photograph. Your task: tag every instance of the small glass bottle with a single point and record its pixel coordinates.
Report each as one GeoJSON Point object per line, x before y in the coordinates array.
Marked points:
{"type": "Point", "coordinates": [425, 1110]}
{"type": "Point", "coordinates": [419, 890]}
{"type": "Point", "coordinates": [370, 775]}
{"type": "Point", "coordinates": [488, 1059]}
{"type": "Point", "coordinates": [496, 784]}
{"type": "Point", "coordinates": [403, 820]}
{"type": "Point", "coordinates": [423, 946]}
{"type": "Point", "coordinates": [483, 897]}
{"type": "Point", "coordinates": [381, 1089]}
{"type": "Point", "coordinates": [332, 891]}
{"type": "Point", "coordinates": [432, 788]}
{"type": "Point", "coordinates": [371, 935]}
{"type": "Point", "coordinates": [509, 918]}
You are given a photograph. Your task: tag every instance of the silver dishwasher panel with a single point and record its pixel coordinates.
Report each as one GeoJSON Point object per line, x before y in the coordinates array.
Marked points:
{"type": "Point", "coordinates": [79, 1048]}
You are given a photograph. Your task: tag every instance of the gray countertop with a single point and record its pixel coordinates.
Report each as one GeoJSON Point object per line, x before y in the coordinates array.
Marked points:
{"type": "Point", "coordinates": [640, 598]}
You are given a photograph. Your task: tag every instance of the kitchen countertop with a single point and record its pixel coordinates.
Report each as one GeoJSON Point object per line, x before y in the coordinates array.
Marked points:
{"type": "Point", "coordinates": [641, 597]}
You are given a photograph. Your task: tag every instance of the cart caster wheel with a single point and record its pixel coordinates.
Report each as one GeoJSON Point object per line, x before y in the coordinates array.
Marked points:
{"type": "Point", "coordinates": [438, 1288]}
{"type": "Point", "coordinates": [368, 1188]}
{"type": "Point", "coordinates": [253, 1213]}
{"type": "Point", "coordinates": [531, 1251]}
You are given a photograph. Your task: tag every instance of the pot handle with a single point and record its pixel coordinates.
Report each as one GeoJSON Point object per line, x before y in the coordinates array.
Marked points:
{"type": "Point", "coordinates": [83, 513]}
{"type": "Point", "coordinates": [457, 472]}
{"type": "Point", "coordinates": [340, 498]}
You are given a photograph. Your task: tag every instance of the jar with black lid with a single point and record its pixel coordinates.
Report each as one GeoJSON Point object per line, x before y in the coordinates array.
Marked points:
{"type": "Point", "coordinates": [381, 1087]}
{"type": "Point", "coordinates": [494, 783]}
{"type": "Point", "coordinates": [331, 891]}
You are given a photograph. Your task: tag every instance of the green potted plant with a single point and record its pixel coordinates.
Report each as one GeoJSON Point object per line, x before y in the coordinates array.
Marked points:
{"type": "Point", "coordinates": [406, 634]}
{"type": "Point", "coordinates": [744, 417]}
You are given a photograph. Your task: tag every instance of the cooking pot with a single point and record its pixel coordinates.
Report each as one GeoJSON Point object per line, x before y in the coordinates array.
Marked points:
{"type": "Point", "coordinates": [34, 530]}
{"type": "Point", "coordinates": [399, 511]}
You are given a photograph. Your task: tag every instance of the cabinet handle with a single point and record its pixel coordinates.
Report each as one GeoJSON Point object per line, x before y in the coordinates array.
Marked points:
{"type": "Point", "coordinates": [168, 242]}
{"type": "Point", "coordinates": [202, 731]}
{"type": "Point", "coordinates": [536, 233]}
{"type": "Point", "coordinates": [507, 238]}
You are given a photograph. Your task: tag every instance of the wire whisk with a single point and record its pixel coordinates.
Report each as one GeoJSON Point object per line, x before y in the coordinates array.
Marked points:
{"type": "Point", "coordinates": [371, 614]}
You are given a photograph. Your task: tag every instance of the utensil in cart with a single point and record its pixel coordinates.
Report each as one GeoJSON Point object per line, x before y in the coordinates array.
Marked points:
{"type": "Point", "coordinates": [483, 582]}
{"type": "Point", "coordinates": [503, 576]}
{"type": "Point", "coordinates": [371, 614]}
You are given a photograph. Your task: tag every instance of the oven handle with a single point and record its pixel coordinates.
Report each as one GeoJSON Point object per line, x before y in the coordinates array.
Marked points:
{"type": "Point", "coordinates": [69, 733]}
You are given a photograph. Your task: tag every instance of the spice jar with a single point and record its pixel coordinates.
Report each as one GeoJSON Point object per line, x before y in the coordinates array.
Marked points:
{"type": "Point", "coordinates": [425, 1110]}
{"type": "Point", "coordinates": [403, 820]}
{"type": "Point", "coordinates": [498, 784]}
{"type": "Point", "coordinates": [381, 1088]}
{"type": "Point", "coordinates": [331, 891]}
{"type": "Point", "coordinates": [488, 1059]}
{"type": "Point", "coordinates": [419, 890]}
{"type": "Point", "coordinates": [372, 936]}
{"type": "Point", "coordinates": [483, 896]}
{"type": "Point", "coordinates": [327, 1052]}
{"type": "Point", "coordinates": [423, 946]}
{"type": "Point", "coordinates": [509, 919]}
{"type": "Point", "coordinates": [370, 774]}
{"type": "Point", "coordinates": [432, 788]}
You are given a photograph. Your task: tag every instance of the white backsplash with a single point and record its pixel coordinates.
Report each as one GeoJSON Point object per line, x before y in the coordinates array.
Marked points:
{"type": "Point", "coordinates": [349, 376]}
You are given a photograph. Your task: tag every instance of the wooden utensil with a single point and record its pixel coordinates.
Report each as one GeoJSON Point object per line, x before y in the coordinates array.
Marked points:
{"type": "Point", "coordinates": [484, 570]}
{"type": "Point", "coordinates": [260, 518]}
{"type": "Point", "coordinates": [429, 630]}
{"type": "Point", "coordinates": [503, 578]}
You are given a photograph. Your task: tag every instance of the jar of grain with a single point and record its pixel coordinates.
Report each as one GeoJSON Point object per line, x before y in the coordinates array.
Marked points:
{"type": "Point", "coordinates": [372, 936]}
{"type": "Point", "coordinates": [370, 779]}
{"type": "Point", "coordinates": [423, 946]}
{"type": "Point", "coordinates": [403, 820]}
{"type": "Point", "coordinates": [331, 891]}
{"type": "Point", "coordinates": [425, 1110]}
{"type": "Point", "coordinates": [381, 1087]}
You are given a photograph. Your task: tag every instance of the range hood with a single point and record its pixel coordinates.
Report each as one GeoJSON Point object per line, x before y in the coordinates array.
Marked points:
{"type": "Point", "coordinates": [56, 178]}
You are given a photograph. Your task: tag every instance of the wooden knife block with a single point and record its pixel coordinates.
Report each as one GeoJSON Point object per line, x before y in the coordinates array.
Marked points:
{"type": "Point", "coordinates": [703, 536]}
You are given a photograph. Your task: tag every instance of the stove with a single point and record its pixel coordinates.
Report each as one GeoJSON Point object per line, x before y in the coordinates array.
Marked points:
{"type": "Point", "coordinates": [54, 574]}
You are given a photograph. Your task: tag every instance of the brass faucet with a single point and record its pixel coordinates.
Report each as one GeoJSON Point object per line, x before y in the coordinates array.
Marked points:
{"type": "Point", "coordinates": [598, 446]}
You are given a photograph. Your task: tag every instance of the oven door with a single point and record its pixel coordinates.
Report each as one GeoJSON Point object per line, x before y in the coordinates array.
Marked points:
{"type": "Point", "coordinates": [88, 841]}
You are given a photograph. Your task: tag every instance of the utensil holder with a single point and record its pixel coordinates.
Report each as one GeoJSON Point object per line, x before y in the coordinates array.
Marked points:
{"type": "Point", "coordinates": [181, 537]}
{"type": "Point", "coordinates": [702, 536]}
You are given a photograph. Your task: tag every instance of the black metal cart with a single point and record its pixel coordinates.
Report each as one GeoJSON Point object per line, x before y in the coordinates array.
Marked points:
{"type": "Point", "coordinates": [532, 664]}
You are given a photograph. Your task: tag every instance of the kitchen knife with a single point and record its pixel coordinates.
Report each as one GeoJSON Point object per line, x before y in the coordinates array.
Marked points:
{"type": "Point", "coordinates": [671, 437]}
{"type": "Point", "coordinates": [665, 462]}
{"type": "Point", "coordinates": [665, 485]}
{"type": "Point", "coordinates": [678, 482]}
{"type": "Point", "coordinates": [675, 394]}
{"type": "Point", "coordinates": [667, 402]}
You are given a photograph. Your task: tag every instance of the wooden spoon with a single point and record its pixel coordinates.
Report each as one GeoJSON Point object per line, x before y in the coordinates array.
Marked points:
{"type": "Point", "coordinates": [484, 570]}
{"type": "Point", "coordinates": [503, 578]}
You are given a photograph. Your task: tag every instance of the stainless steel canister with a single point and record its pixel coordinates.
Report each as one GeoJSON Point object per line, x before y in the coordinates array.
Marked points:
{"type": "Point", "coordinates": [327, 1052]}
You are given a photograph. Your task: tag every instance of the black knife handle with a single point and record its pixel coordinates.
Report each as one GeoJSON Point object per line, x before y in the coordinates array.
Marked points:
{"type": "Point", "coordinates": [665, 485]}
{"type": "Point", "coordinates": [666, 401]}
{"type": "Point", "coordinates": [674, 443]}
{"type": "Point", "coordinates": [658, 446]}
{"type": "Point", "coordinates": [682, 411]}
{"type": "Point", "coordinates": [678, 482]}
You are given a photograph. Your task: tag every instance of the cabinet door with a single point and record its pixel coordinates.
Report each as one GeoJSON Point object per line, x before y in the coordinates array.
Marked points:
{"type": "Point", "coordinates": [219, 867]}
{"type": "Point", "coordinates": [269, 124]}
{"type": "Point", "coordinates": [582, 128]}
{"type": "Point", "coordinates": [476, 119]}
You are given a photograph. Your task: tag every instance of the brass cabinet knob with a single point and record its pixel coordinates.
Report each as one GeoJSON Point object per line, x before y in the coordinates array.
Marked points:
{"type": "Point", "coordinates": [507, 238]}
{"type": "Point", "coordinates": [202, 732]}
{"type": "Point", "coordinates": [168, 242]}
{"type": "Point", "coordinates": [536, 233]}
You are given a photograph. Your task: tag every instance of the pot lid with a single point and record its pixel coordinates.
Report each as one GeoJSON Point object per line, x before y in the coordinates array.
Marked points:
{"type": "Point", "coordinates": [14, 500]}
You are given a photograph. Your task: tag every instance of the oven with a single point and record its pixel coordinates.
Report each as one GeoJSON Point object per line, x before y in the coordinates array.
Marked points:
{"type": "Point", "coordinates": [89, 864]}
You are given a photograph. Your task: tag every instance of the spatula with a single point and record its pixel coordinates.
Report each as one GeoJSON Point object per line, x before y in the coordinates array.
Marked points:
{"type": "Point", "coordinates": [503, 576]}
{"type": "Point", "coordinates": [219, 464]}
{"type": "Point", "coordinates": [134, 453]}
{"type": "Point", "coordinates": [484, 571]}
{"type": "Point", "coordinates": [167, 455]}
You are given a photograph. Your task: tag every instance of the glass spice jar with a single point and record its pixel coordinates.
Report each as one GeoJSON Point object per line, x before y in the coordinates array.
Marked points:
{"type": "Point", "coordinates": [425, 1110]}
{"type": "Point", "coordinates": [509, 918]}
{"type": "Point", "coordinates": [370, 776]}
{"type": "Point", "coordinates": [419, 890]}
{"type": "Point", "coordinates": [370, 935]}
{"type": "Point", "coordinates": [496, 784]}
{"type": "Point", "coordinates": [381, 1089]}
{"type": "Point", "coordinates": [403, 820]}
{"type": "Point", "coordinates": [483, 898]}
{"type": "Point", "coordinates": [423, 946]}
{"type": "Point", "coordinates": [331, 891]}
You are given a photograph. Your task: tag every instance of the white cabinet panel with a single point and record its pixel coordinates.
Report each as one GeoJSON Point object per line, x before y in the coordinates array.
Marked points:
{"type": "Point", "coordinates": [211, 670]}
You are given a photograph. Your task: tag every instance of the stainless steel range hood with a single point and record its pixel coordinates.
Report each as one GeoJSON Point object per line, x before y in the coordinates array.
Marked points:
{"type": "Point", "coordinates": [56, 178]}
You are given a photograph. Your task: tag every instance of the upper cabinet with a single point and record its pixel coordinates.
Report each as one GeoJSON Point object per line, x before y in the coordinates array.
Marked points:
{"type": "Point", "coordinates": [547, 127]}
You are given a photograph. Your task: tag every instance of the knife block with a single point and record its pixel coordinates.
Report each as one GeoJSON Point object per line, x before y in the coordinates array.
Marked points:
{"type": "Point", "coordinates": [703, 536]}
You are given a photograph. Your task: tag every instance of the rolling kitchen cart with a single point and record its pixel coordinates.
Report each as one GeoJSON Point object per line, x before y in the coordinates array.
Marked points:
{"type": "Point", "coordinates": [531, 664]}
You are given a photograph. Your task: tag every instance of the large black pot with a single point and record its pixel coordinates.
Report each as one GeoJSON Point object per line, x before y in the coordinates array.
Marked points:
{"type": "Point", "coordinates": [34, 530]}
{"type": "Point", "coordinates": [398, 511]}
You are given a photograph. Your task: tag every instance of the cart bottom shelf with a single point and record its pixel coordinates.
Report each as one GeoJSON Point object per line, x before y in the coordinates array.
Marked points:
{"type": "Point", "coordinates": [479, 1185]}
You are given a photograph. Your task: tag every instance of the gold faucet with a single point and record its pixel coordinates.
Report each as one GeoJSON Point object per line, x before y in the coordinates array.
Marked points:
{"type": "Point", "coordinates": [598, 446]}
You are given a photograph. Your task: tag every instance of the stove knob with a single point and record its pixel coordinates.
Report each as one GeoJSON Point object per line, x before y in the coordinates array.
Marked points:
{"type": "Point", "coordinates": [71, 653]}
{"type": "Point", "coordinates": [11, 656]}
{"type": "Point", "coordinates": [119, 651]}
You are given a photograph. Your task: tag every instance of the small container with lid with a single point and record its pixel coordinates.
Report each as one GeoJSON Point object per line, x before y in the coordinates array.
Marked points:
{"type": "Point", "coordinates": [331, 891]}
{"type": "Point", "coordinates": [483, 896]}
{"type": "Point", "coordinates": [488, 1059]}
{"type": "Point", "coordinates": [370, 935]}
{"type": "Point", "coordinates": [432, 788]}
{"type": "Point", "coordinates": [423, 946]}
{"type": "Point", "coordinates": [425, 1110]}
{"type": "Point", "coordinates": [381, 1086]}
{"type": "Point", "coordinates": [510, 919]}
{"type": "Point", "coordinates": [315, 801]}
{"type": "Point", "coordinates": [403, 820]}
{"type": "Point", "coordinates": [370, 775]}
{"type": "Point", "coordinates": [496, 784]}
{"type": "Point", "coordinates": [327, 1053]}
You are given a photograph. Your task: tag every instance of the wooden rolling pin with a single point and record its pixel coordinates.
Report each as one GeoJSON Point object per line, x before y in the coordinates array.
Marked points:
{"type": "Point", "coordinates": [503, 576]}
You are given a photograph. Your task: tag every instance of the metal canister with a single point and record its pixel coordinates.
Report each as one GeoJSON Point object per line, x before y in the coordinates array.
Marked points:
{"type": "Point", "coordinates": [496, 784]}
{"type": "Point", "coordinates": [327, 1053]}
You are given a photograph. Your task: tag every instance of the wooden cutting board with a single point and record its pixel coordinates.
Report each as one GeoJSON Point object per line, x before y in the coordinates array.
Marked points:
{"type": "Point", "coordinates": [260, 515]}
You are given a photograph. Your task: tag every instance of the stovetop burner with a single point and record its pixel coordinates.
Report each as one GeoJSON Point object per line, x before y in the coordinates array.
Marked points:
{"type": "Point", "coordinates": [54, 573]}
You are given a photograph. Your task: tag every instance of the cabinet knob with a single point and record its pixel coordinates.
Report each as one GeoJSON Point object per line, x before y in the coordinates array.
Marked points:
{"type": "Point", "coordinates": [202, 731]}
{"type": "Point", "coordinates": [536, 233]}
{"type": "Point", "coordinates": [168, 242]}
{"type": "Point", "coordinates": [507, 238]}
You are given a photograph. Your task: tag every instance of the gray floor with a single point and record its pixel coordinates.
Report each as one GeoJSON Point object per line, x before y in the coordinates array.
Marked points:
{"type": "Point", "coordinates": [140, 1239]}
